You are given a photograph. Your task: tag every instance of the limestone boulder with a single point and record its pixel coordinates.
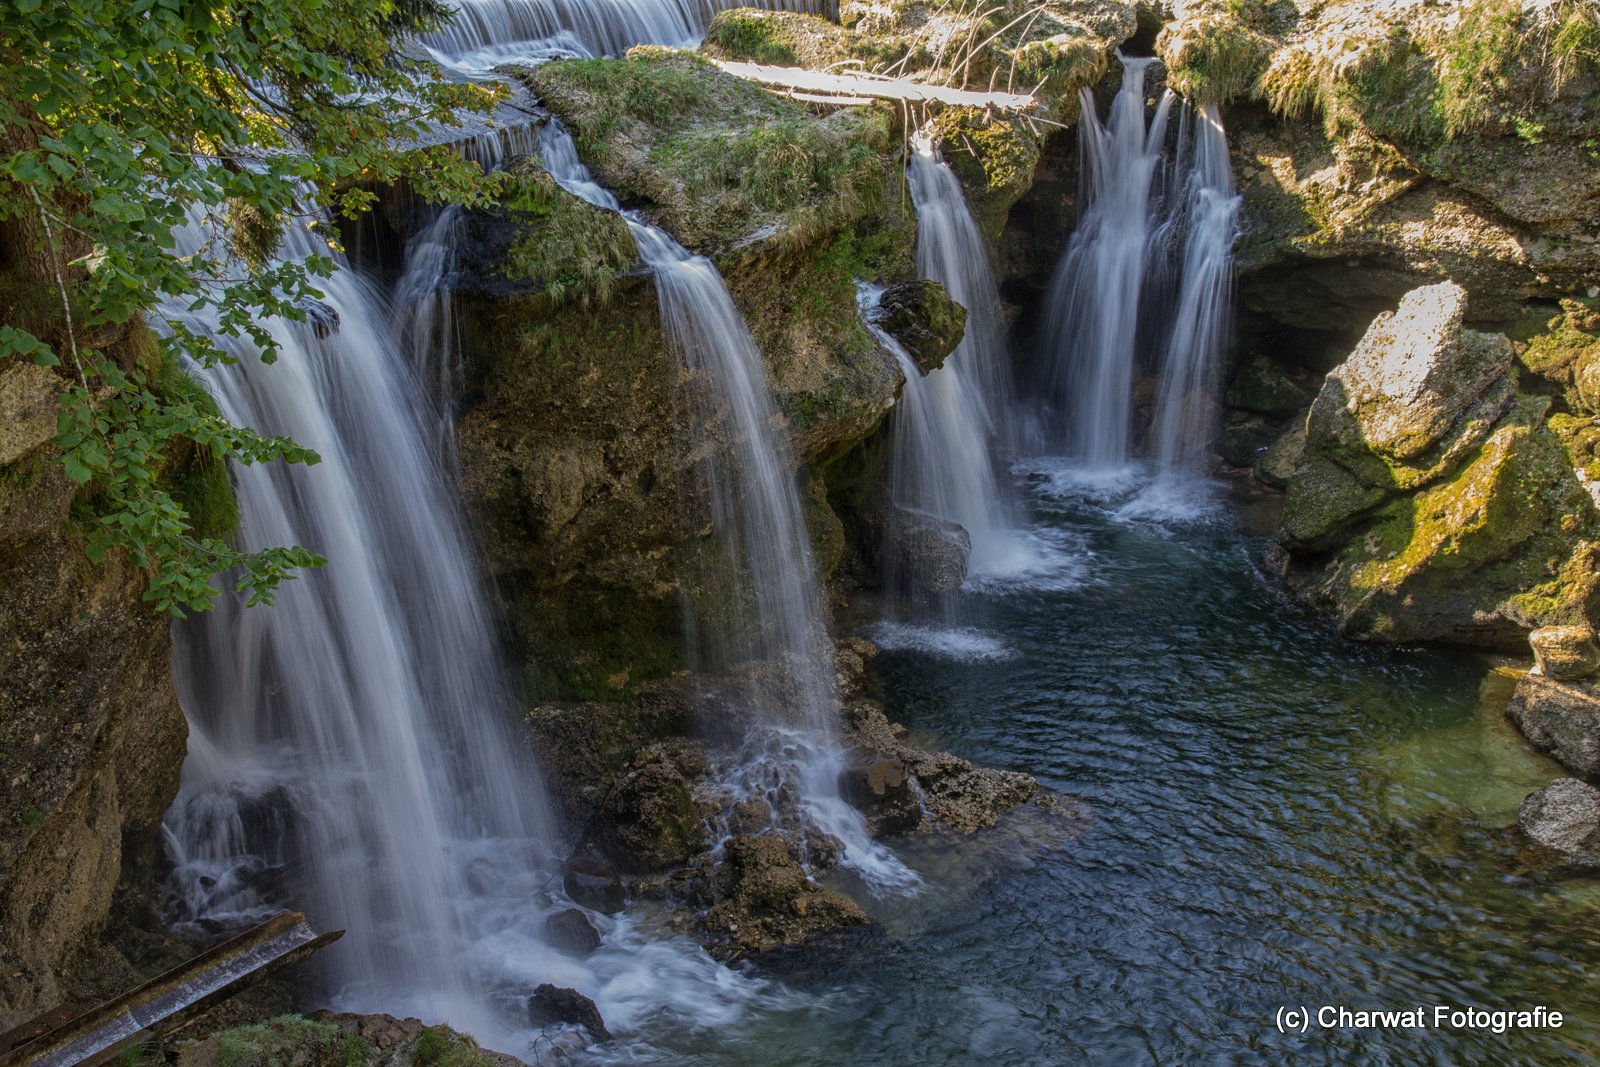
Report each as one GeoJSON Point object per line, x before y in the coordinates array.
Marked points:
{"type": "Point", "coordinates": [1432, 501]}
{"type": "Point", "coordinates": [921, 315]}
{"type": "Point", "coordinates": [1564, 816]}
{"type": "Point", "coordinates": [1559, 718]}
{"type": "Point", "coordinates": [1565, 653]}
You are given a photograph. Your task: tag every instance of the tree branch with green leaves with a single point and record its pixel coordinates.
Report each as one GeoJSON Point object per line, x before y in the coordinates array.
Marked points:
{"type": "Point", "coordinates": [124, 120]}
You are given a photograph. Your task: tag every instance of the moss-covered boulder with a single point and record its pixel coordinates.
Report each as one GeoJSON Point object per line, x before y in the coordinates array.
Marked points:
{"type": "Point", "coordinates": [1430, 503]}
{"type": "Point", "coordinates": [921, 315]}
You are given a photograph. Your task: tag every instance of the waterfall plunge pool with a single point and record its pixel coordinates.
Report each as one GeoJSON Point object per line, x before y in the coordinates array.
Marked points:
{"type": "Point", "coordinates": [1266, 815]}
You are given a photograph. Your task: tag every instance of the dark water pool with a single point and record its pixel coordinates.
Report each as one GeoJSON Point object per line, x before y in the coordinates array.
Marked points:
{"type": "Point", "coordinates": [1275, 817]}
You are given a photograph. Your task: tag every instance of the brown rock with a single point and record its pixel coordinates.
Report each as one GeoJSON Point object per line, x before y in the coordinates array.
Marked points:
{"type": "Point", "coordinates": [1559, 718]}
{"type": "Point", "coordinates": [1565, 653]}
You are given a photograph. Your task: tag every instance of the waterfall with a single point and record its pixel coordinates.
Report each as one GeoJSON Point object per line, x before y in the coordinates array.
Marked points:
{"type": "Point", "coordinates": [482, 34]}
{"type": "Point", "coordinates": [945, 424]}
{"type": "Point", "coordinates": [355, 738]}
{"type": "Point", "coordinates": [755, 510]}
{"type": "Point", "coordinates": [1092, 322]}
{"type": "Point", "coordinates": [1186, 397]}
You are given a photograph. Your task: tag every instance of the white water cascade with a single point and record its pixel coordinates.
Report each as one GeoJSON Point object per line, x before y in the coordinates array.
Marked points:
{"type": "Point", "coordinates": [755, 509]}
{"type": "Point", "coordinates": [486, 33]}
{"type": "Point", "coordinates": [356, 737]}
{"type": "Point", "coordinates": [1208, 217]}
{"type": "Point", "coordinates": [1092, 322]}
{"type": "Point", "coordinates": [945, 424]}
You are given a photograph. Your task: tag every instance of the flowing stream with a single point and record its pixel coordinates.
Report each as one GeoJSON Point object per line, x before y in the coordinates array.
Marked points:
{"type": "Point", "coordinates": [1261, 814]}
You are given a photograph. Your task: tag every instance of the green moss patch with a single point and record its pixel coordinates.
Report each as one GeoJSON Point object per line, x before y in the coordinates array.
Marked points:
{"type": "Point", "coordinates": [718, 158]}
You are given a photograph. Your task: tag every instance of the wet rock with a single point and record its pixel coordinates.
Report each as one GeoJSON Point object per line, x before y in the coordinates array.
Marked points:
{"type": "Point", "coordinates": [322, 318]}
{"type": "Point", "coordinates": [572, 931]}
{"type": "Point", "coordinates": [648, 820]}
{"type": "Point", "coordinates": [880, 786]}
{"type": "Point", "coordinates": [929, 553]}
{"type": "Point", "coordinates": [1564, 816]}
{"type": "Point", "coordinates": [760, 898]}
{"type": "Point", "coordinates": [1560, 718]}
{"type": "Point", "coordinates": [1565, 653]}
{"type": "Point", "coordinates": [1277, 464]}
{"type": "Point", "coordinates": [590, 882]}
{"type": "Point", "coordinates": [552, 1004]}
{"type": "Point", "coordinates": [950, 791]}
{"type": "Point", "coordinates": [924, 319]}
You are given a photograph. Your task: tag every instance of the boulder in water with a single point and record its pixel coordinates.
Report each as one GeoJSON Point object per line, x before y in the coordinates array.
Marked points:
{"type": "Point", "coordinates": [1565, 653]}
{"type": "Point", "coordinates": [1560, 718]}
{"type": "Point", "coordinates": [921, 315]}
{"type": "Point", "coordinates": [572, 931]}
{"type": "Point", "coordinates": [1564, 816]}
{"type": "Point", "coordinates": [551, 1005]}
{"type": "Point", "coordinates": [590, 882]}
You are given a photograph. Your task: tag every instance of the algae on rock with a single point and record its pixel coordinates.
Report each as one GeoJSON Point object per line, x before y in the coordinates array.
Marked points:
{"type": "Point", "coordinates": [1430, 502]}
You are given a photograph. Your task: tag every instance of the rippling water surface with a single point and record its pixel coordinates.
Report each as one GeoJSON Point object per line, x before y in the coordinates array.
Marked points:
{"type": "Point", "coordinates": [1271, 816]}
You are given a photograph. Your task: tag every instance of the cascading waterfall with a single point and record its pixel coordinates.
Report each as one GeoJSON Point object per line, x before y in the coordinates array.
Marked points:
{"type": "Point", "coordinates": [945, 423]}
{"type": "Point", "coordinates": [755, 508]}
{"type": "Point", "coordinates": [364, 721]}
{"type": "Point", "coordinates": [483, 34]}
{"type": "Point", "coordinates": [1093, 306]}
{"type": "Point", "coordinates": [1186, 397]}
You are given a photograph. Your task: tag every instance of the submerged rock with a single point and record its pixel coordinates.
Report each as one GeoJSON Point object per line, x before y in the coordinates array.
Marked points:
{"type": "Point", "coordinates": [1560, 718]}
{"type": "Point", "coordinates": [551, 1004]}
{"type": "Point", "coordinates": [1564, 816]}
{"type": "Point", "coordinates": [1565, 653]}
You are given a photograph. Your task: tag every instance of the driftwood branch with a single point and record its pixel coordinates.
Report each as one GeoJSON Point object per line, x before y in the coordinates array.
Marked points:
{"type": "Point", "coordinates": [822, 86]}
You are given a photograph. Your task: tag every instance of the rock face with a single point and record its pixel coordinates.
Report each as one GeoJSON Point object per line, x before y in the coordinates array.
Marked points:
{"type": "Point", "coordinates": [1560, 718]}
{"type": "Point", "coordinates": [1564, 816]}
{"type": "Point", "coordinates": [91, 735]}
{"type": "Point", "coordinates": [764, 899]}
{"type": "Point", "coordinates": [1430, 501]}
{"type": "Point", "coordinates": [1565, 653]}
{"type": "Point", "coordinates": [929, 554]}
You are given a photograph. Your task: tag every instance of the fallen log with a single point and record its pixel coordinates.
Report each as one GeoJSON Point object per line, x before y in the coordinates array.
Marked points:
{"type": "Point", "coordinates": [822, 86]}
{"type": "Point", "coordinates": [170, 1000]}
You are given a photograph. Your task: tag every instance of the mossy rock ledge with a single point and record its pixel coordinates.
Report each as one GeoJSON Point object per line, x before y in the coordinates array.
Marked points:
{"type": "Point", "coordinates": [1432, 502]}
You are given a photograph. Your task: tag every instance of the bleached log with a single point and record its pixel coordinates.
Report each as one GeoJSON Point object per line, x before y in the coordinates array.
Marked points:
{"type": "Point", "coordinates": [815, 83]}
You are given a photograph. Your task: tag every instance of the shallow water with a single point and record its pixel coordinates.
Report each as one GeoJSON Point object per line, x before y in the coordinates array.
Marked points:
{"type": "Point", "coordinates": [1273, 817]}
